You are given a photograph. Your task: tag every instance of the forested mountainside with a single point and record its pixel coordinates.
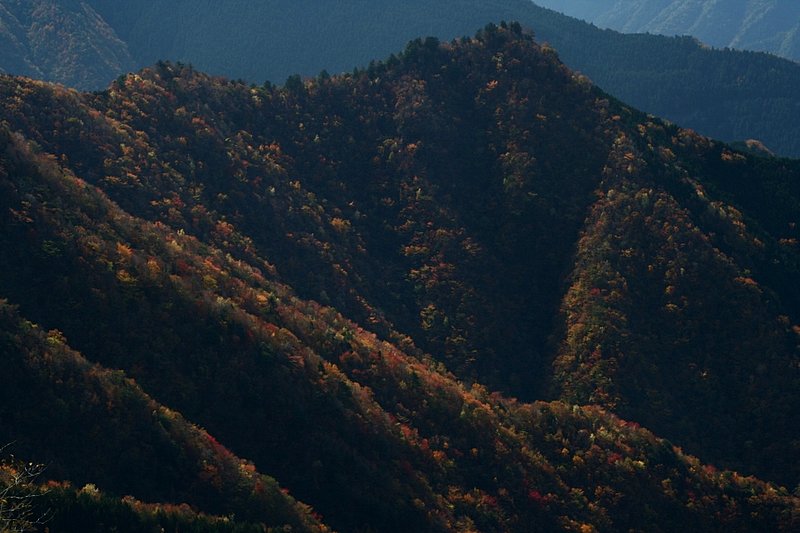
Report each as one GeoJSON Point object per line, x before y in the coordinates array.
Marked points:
{"type": "Point", "coordinates": [90, 425]}
{"type": "Point", "coordinates": [60, 40]}
{"type": "Point", "coordinates": [217, 290]}
{"type": "Point", "coordinates": [734, 96]}
{"type": "Point", "coordinates": [767, 25]}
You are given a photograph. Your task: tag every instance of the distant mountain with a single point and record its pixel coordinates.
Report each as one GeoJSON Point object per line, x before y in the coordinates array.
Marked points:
{"type": "Point", "coordinates": [332, 276]}
{"type": "Point", "coordinates": [60, 40]}
{"type": "Point", "coordinates": [728, 95]}
{"type": "Point", "coordinates": [767, 25]}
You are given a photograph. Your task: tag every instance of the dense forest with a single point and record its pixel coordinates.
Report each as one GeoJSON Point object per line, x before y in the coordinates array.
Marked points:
{"type": "Point", "coordinates": [459, 290]}
{"type": "Point", "coordinates": [730, 95]}
{"type": "Point", "coordinates": [767, 25]}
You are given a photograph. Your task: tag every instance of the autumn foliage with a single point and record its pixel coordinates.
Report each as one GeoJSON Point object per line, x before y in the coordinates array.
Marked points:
{"type": "Point", "coordinates": [331, 279]}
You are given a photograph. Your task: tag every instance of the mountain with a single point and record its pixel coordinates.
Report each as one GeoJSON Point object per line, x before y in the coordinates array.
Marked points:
{"type": "Point", "coordinates": [727, 95]}
{"type": "Point", "coordinates": [733, 96]}
{"type": "Point", "coordinates": [767, 25]}
{"type": "Point", "coordinates": [219, 292]}
{"type": "Point", "coordinates": [60, 40]}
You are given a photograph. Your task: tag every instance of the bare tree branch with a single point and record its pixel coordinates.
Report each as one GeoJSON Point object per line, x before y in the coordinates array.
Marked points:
{"type": "Point", "coordinates": [18, 493]}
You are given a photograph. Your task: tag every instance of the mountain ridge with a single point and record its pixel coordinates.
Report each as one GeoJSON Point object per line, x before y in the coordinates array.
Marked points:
{"type": "Point", "coordinates": [763, 26]}
{"type": "Point", "coordinates": [192, 221]}
{"type": "Point", "coordinates": [64, 41]}
{"type": "Point", "coordinates": [721, 94]}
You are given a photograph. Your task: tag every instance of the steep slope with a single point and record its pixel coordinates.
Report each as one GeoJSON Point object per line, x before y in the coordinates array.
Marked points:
{"type": "Point", "coordinates": [64, 41]}
{"type": "Point", "coordinates": [444, 221]}
{"type": "Point", "coordinates": [87, 425]}
{"type": "Point", "coordinates": [665, 320]}
{"type": "Point", "coordinates": [572, 468]}
{"type": "Point", "coordinates": [767, 26]}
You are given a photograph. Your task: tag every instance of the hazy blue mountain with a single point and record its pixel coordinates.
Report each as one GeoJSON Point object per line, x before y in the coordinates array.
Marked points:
{"type": "Point", "coordinates": [60, 40]}
{"type": "Point", "coordinates": [761, 25]}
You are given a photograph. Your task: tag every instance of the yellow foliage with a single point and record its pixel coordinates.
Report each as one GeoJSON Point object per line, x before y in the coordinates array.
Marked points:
{"type": "Point", "coordinates": [125, 277]}
{"type": "Point", "coordinates": [340, 225]}
{"type": "Point", "coordinates": [124, 251]}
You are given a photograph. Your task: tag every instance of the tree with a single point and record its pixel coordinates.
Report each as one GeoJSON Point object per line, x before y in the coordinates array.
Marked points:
{"type": "Point", "coordinates": [17, 493]}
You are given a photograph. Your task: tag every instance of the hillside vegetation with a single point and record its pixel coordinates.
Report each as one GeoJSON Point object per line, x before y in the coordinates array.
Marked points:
{"type": "Point", "coordinates": [331, 278]}
{"type": "Point", "coordinates": [733, 96]}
